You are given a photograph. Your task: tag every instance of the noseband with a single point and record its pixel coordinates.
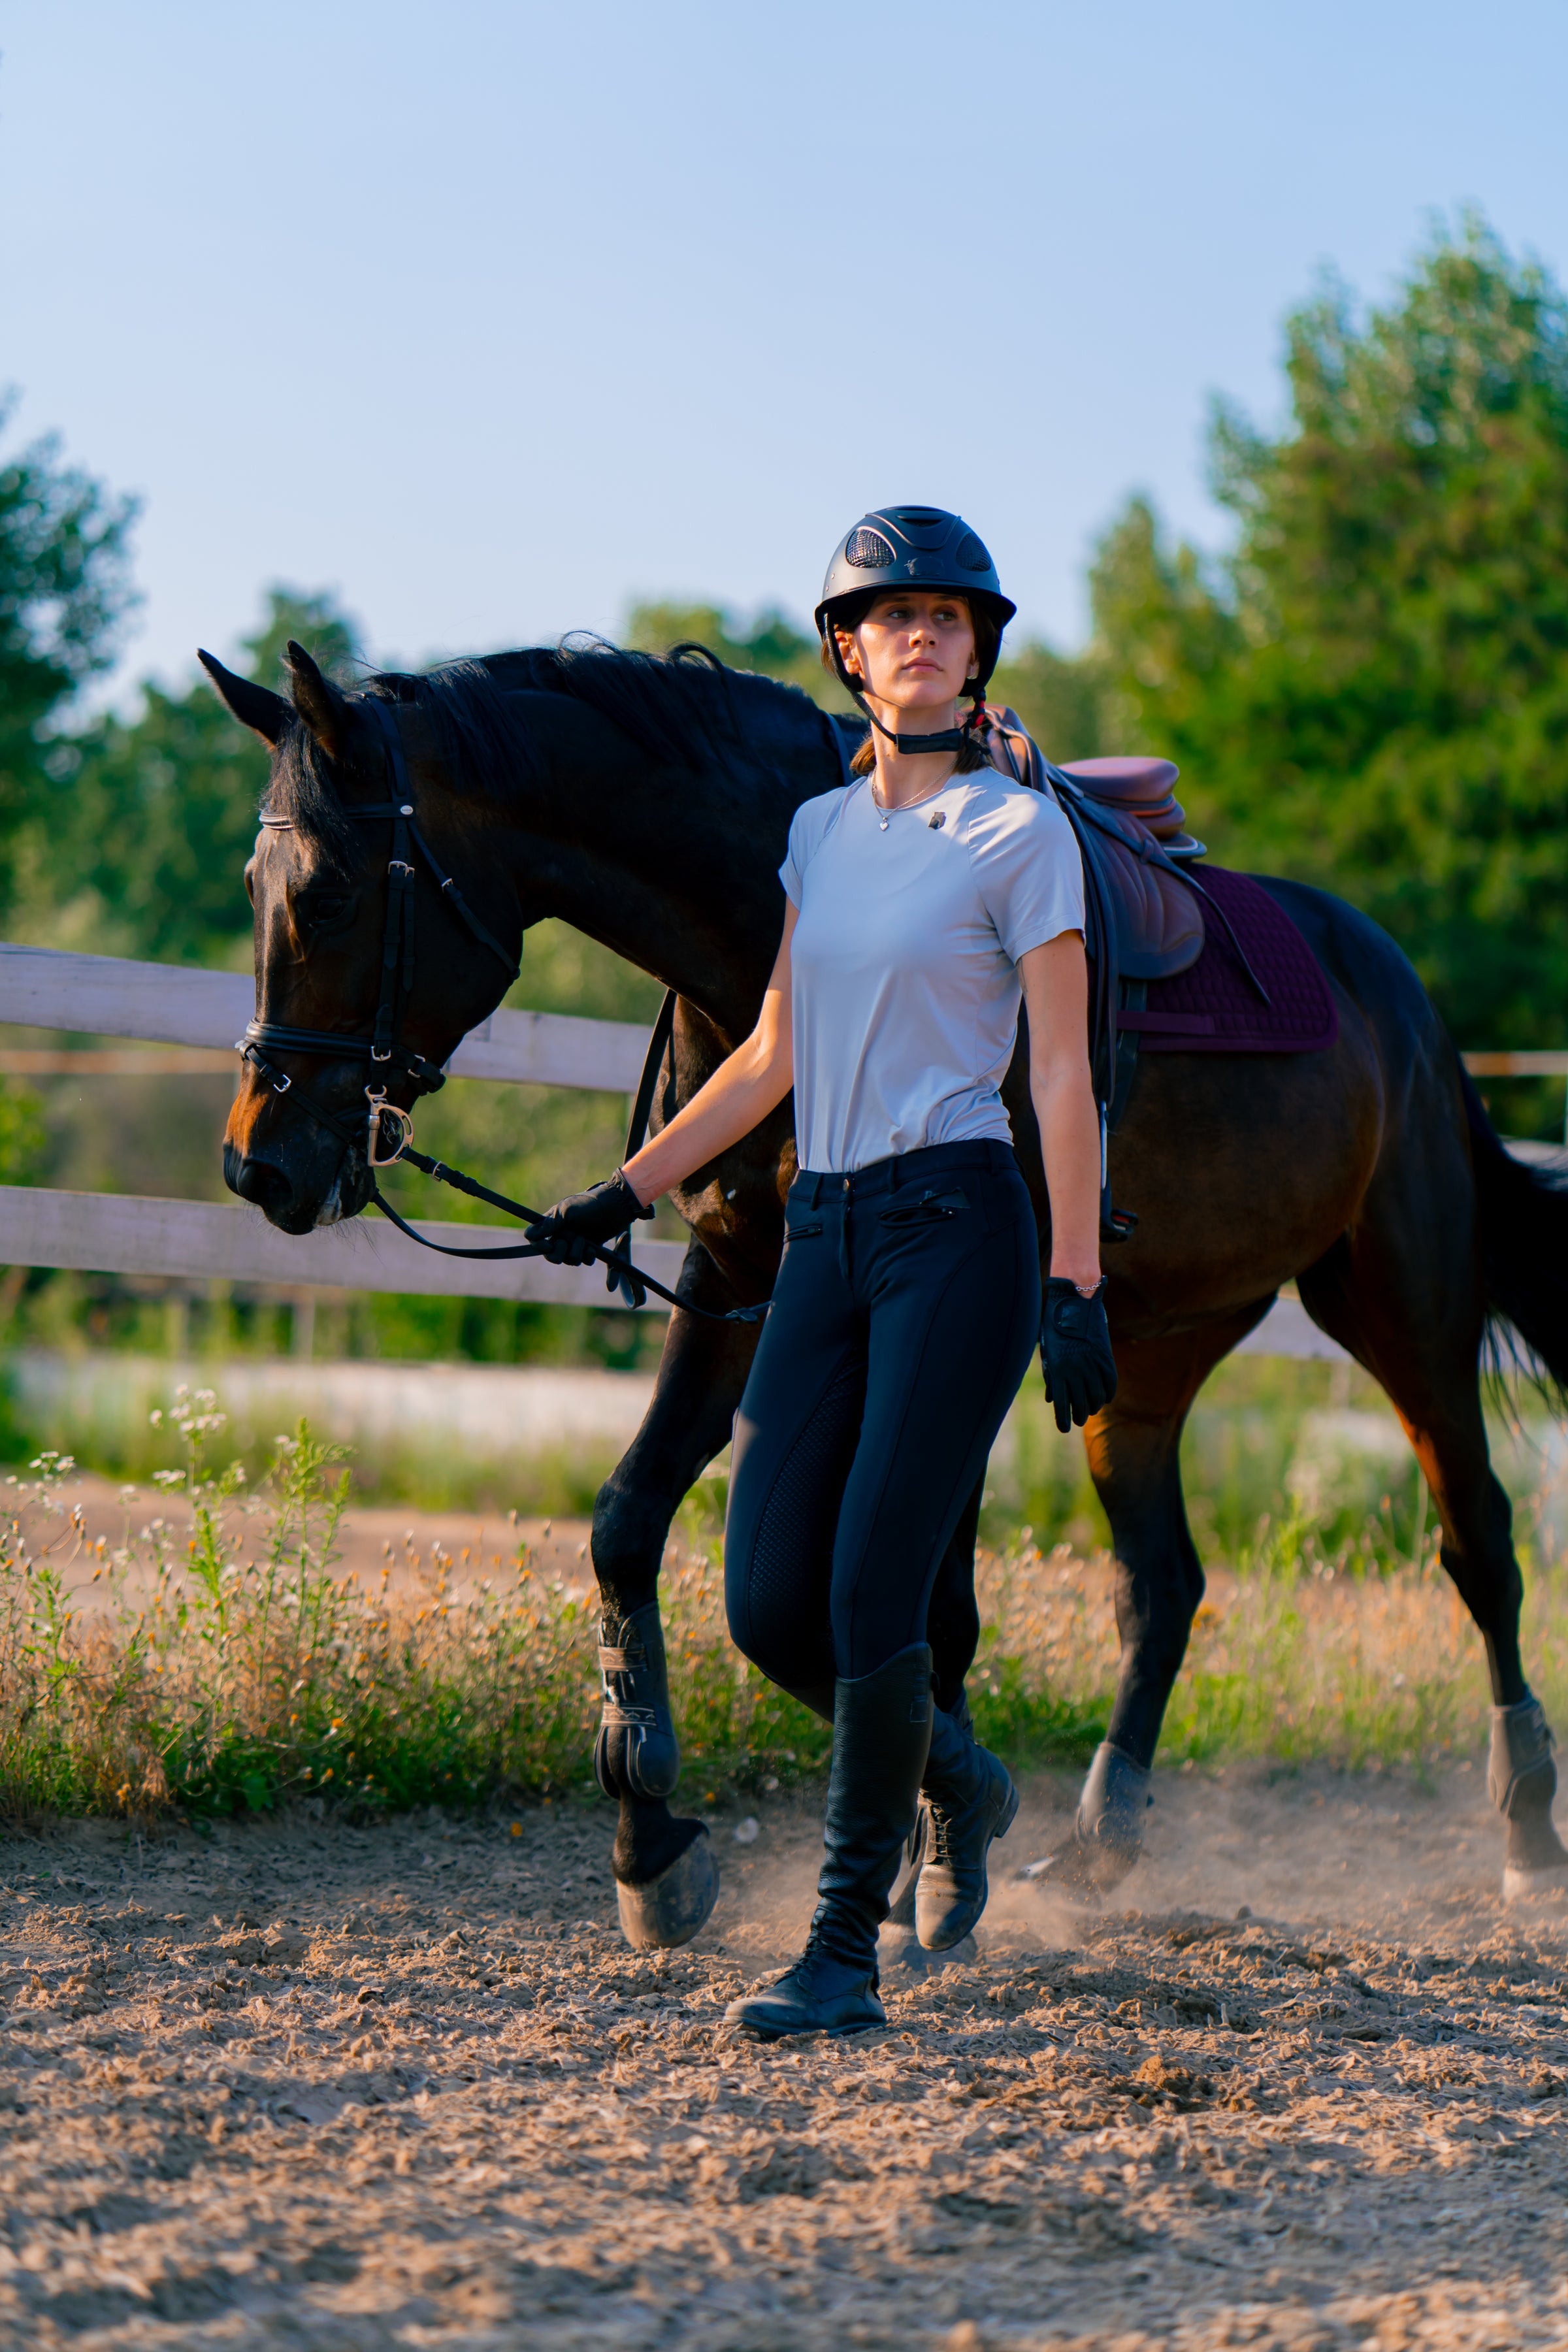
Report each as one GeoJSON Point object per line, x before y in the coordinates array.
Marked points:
{"type": "Point", "coordinates": [384, 1048]}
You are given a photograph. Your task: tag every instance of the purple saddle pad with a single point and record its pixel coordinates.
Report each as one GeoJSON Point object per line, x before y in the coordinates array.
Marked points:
{"type": "Point", "coordinates": [1212, 1007]}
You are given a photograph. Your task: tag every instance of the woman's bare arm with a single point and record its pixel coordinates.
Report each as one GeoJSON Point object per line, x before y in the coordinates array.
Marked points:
{"type": "Point", "coordinates": [1056, 991]}
{"type": "Point", "coordinates": [737, 1098]}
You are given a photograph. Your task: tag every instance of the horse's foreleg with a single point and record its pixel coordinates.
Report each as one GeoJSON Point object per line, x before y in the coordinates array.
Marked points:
{"type": "Point", "coordinates": [665, 1879]}
{"type": "Point", "coordinates": [1134, 1457]}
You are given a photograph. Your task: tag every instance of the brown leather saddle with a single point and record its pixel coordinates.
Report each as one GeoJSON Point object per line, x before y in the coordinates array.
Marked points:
{"type": "Point", "coordinates": [1138, 825]}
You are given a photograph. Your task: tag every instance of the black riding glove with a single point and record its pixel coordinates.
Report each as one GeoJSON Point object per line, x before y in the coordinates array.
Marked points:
{"type": "Point", "coordinates": [570, 1232]}
{"type": "Point", "coordinates": [1075, 1352]}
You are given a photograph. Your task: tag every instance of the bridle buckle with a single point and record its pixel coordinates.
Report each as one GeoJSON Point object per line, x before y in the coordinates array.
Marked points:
{"type": "Point", "coordinates": [379, 1108]}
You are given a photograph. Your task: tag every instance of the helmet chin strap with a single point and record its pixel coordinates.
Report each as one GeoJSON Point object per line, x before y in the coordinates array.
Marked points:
{"type": "Point", "coordinates": [945, 739]}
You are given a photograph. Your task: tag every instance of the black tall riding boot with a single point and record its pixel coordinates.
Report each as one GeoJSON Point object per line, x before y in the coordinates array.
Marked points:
{"type": "Point", "coordinates": [967, 1798]}
{"type": "Point", "coordinates": [881, 1730]}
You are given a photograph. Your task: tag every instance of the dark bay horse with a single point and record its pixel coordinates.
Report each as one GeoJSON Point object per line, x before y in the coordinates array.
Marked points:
{"type": "Point", "coordinates": [647, 801]}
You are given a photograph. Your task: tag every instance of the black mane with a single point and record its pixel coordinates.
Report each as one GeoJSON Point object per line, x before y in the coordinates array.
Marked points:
{"type": "Point", "coordinates": [684, 709]}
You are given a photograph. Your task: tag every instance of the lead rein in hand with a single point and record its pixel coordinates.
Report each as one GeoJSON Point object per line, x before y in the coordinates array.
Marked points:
{"type": "Point", "coordinates": [629, 1279]}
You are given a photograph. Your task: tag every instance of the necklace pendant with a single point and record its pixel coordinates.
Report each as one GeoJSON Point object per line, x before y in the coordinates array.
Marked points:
{"type": "Point", "coordinates": [882, 819]}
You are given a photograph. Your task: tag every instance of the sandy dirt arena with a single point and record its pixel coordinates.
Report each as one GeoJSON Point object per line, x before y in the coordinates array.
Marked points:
{"type": "Point", "coordinates": [306, 2085]}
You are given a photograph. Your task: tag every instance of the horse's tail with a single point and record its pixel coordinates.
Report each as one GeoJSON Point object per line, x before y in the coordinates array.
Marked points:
{"type": "Point", "coordinates": [1524, 1250]}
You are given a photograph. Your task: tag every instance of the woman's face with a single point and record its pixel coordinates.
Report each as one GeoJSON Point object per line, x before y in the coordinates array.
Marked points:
{"type": "Point", "coordinates": [914, 649]}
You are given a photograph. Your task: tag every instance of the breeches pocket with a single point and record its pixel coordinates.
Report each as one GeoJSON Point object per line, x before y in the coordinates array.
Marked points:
{"type": "Point", "coordinates": [938, 1204]}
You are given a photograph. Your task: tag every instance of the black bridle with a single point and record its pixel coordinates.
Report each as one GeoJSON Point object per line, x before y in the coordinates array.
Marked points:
{"type": "Point", "coordinates": [386, 1052]}
{"type": "Point", "coordinates": [384, 1048]}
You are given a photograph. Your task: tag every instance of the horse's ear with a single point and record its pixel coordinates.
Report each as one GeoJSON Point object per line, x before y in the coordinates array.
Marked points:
{"type": "Point", "coordinates": [317, 702]}
{"type": "Point", "coordinates": [255, 707]}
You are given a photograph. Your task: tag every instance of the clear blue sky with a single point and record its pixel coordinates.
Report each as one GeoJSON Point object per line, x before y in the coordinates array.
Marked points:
{"type": "Point", "coordinates": [493, 317]}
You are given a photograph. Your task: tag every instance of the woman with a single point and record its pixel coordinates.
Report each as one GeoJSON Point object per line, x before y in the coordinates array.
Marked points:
{"type": "Point", "coordinates": [922, 900]}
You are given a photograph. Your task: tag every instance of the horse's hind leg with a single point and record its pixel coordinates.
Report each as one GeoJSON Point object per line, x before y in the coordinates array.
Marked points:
{"type": "Point", "coordinates": [1134, 1456]}
{"type": "Point", "coordinates": [1402, 1292]}
{"type": "Point", "coordinates": [665, 1879]}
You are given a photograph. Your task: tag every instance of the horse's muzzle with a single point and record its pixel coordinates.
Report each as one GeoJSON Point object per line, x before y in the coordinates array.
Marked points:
{"type": "Point", "coordinates": [293, 1202]}
{"type": "Point", "coordinates": [268, 1188]}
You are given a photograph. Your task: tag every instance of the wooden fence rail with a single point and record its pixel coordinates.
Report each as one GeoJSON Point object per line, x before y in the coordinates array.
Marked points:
{"type": "Point", "coordinates": [125, 1232]}
{"type": "Point", "coordinates": [177, 1004]}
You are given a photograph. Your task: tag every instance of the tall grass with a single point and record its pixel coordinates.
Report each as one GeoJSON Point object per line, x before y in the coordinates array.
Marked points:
{"type": "Point", "coordinates": [229, 1666]}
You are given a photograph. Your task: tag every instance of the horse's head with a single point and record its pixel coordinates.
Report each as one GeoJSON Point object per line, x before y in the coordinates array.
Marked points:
{"type": "Point", "coordinates": [356, 939]}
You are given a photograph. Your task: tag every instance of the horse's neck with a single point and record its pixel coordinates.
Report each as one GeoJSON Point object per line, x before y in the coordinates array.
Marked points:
{"type": "Point", "coordinates": [675, 871]}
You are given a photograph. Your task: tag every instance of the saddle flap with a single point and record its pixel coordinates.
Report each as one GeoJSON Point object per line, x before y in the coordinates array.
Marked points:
{"type": "Point", "coordinates": [1159, 920]}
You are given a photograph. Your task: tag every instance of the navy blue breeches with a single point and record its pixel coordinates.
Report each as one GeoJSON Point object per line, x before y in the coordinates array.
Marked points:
{"type": "Point", "coordinates": [904, 1316]}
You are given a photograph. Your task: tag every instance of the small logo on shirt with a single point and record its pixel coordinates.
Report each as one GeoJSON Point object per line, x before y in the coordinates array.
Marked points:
{"type": "Point", "coordinates": [938, 821]}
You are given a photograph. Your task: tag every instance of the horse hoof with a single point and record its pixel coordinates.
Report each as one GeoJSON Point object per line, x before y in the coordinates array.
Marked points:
{"type": "Point", "coordinates": [676, 1906]}
{"type": "Point", "coordinates": [908, 1954]}
{"type": "Point", "coordinates": [1064, 1876]}
{"type": "Point", "coordinates": [1523, 1885]}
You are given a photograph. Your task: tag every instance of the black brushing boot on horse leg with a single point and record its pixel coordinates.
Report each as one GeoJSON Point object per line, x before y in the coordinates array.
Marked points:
{"type": "Point", "coordinates": [666, 1878]}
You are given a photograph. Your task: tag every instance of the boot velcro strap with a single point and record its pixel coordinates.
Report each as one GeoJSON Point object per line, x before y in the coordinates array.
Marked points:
{"type": "Point", "coordinates": [1521, 1743]}
{"type": "Point", "coordinates": [618, 1662]}
{"type": "Point", "coordinates": [636, 1719]}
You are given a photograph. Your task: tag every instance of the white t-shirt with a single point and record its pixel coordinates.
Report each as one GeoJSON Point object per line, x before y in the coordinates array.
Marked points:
{"type": "Point", "coordinates": [906, 993]}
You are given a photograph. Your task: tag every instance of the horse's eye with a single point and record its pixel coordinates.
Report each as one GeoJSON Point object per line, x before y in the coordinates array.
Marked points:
{"type": "Point", "coordinates": [323, 908]}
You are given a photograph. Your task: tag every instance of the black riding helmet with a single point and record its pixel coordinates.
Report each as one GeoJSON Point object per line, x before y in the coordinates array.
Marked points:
{"type": "Point", "coordinates": [913, 547]}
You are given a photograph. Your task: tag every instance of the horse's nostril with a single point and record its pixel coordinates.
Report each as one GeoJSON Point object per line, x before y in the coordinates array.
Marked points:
{"type": "Point", "coordinates": [258, 1181]}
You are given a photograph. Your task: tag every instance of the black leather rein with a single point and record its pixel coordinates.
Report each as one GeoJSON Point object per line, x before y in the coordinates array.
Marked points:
{"type": "Point", "coordinates": [383, 1049]}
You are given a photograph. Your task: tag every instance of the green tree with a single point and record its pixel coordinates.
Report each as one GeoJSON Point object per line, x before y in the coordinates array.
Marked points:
{"type": "Point", "coordinates": [1059, 697]}
{"type": "Point", "coordinates": [1371, 691]}
{"type": "Point", "coordinates": [64, 591]}
{"type": "Point", "coordinates": [147, 823]}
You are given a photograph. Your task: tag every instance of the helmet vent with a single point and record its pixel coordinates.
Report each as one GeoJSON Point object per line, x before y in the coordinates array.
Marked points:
{"type": "Point", "coordinates": [971, 555]}
{"type": "Point", "coordinates": [870, 552]}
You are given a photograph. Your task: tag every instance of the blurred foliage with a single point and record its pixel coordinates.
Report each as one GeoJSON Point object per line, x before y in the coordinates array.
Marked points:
{"type": "Point", "coordinates": [64, 591]}
{"type": "Point", "coordinates": [22, 1139]}
{"type": "Point", "coordinates": [1060, 698]}
{"type": "Point", "coordinates": [139, 842]}
{"type": "Point", "coordinates": [1371, 691]}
